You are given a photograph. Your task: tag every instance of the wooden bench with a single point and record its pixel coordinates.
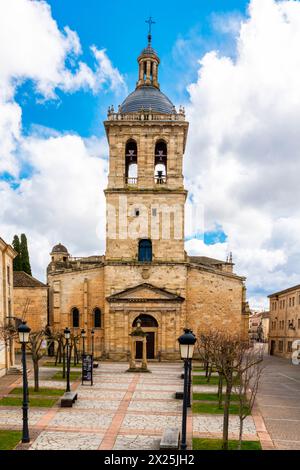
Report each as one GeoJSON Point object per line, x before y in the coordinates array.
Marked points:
{"type": "Point", "coordinates": [68, 399]}
{"type": "Point", "coordinates": [170, 439]}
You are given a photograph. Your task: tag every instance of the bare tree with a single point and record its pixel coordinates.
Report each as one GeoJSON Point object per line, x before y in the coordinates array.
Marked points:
{"type": "Point", "coordinates": [226, 352]}
{"type": "Point", "coordinates": [37, 346]}
{"type": "Point", "coordinates": [205, 345]}
{"type": "Point", "coordinates": [248, 374]}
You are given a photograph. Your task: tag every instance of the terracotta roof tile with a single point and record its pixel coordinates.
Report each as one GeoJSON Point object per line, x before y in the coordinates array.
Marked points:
{"type": "Point", "coordinates": [22, 279]}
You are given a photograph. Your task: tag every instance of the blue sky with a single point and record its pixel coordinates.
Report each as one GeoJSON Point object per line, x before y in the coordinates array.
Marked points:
{"type": "Point", "coordinates": [120, 28]}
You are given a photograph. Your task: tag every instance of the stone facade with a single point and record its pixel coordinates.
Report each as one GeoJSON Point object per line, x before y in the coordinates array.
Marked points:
{"type": "Point", "coordinates": [145, 272]}
{"type": "Point", "coordinates": [284, 321]}
{"type": "Point", "coordinates": [7, 255]}
{"type": "Point", "coordinates": [30, 301]}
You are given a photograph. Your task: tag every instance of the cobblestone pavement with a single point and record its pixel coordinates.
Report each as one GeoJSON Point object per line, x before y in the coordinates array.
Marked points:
{"type": "Point", "coordinates": [278, 401]}
{"type": "Point", "coordinates": [121, 411]}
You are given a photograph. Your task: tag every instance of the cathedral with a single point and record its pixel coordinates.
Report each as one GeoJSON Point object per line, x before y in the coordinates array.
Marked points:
{"type": "Point", "coordinates": [145, 273]}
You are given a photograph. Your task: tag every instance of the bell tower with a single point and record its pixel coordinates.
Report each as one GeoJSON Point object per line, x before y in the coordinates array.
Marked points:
{"type": "Point", "coordinates": [145, 197]}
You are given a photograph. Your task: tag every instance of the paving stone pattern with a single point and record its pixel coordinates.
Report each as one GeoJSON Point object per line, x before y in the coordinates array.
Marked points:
{"type": "Point", "coordinates": [120, 411]}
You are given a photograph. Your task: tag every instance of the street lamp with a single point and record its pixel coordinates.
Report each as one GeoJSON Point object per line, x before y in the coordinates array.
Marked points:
{"type": "Point", "coordinates": [67, 334]}
{"type": "Point", "coordinates": [189, 379]}
{"type": "Point", "coordinates": [23, 332]}
{"type": "Point", "coordinates": [93, 334]}
{"type": "Point", "coordinates": [186, 342]}
{"type": "Point", "coordinates": [83, 336]}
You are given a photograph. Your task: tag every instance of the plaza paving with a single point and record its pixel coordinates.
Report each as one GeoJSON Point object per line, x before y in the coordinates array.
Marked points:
{"type": "Point", "coordinates": [120, 411]}
{"type": "Point", "coordinates": [278, 401]}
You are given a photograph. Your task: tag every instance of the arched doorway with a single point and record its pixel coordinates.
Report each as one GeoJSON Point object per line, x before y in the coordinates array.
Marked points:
{"type": "Point", "coordinates": [149, 325]}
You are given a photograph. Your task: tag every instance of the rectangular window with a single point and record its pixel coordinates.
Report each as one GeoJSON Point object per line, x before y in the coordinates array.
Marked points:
{"type": "Point", "coordinates": [8, 275]}
{"type": "Point", "coordinates": [293, 301]}
{"type": "Point", "coordinates": [280, 346]}
{"type": "Point", "coordinates": [298, 323]}
{"type": "Point", "coordinates": [289, 346]}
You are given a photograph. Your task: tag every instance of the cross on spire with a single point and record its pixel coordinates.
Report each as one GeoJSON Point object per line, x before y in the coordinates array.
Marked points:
{"type": "Point", "coordinates": [150, 22]}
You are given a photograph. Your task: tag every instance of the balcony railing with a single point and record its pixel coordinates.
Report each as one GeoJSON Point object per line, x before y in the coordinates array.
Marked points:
{"type": "Point", "coordinates": [160, 179]}
{"type": "Point", "coordinates": [131, 181]}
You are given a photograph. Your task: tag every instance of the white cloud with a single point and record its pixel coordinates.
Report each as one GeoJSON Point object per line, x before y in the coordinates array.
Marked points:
{"type": "Point", "coordinates": [244, 145]}
{"type": "Point", "coordinates": [33, 48]}
{"type": "Point", "coordinates": [63, 199]}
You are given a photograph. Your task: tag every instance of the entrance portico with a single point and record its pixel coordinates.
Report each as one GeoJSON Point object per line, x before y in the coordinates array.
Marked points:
{"type": "Point", "coordinates": [160, 312]}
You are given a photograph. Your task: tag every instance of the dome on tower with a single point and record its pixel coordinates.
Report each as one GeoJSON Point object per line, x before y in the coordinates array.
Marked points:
{"type": "Point", "coordinates": [59, 249]}
{"type": "Point", "coordinates": [149, 51]}
{"type": "Point", "coordinates": [147, 97]}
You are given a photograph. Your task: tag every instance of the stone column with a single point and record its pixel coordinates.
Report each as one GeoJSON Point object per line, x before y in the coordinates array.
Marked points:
{"type": "Point", "coordinates": [85, 304]}
{"type": "Point", "coordinates": [148, 72]}
{"type": "Point", "coordinates": [155, 83]}
{"type": "Point", "coordinates": [132, 356]}
{"type": "Point", "coordinates": [144, 360]}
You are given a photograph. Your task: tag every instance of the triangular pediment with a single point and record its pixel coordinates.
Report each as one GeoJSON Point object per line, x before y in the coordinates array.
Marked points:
{"type": "Point", "coordinates": [145, 293]}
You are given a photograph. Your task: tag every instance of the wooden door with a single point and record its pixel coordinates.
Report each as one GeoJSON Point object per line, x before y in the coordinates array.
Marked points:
{"type": "Point", "coordinates": [150, 347]}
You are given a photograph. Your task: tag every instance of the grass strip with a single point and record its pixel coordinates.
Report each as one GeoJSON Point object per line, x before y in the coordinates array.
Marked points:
{"type": "Point", "coordinates": [59, 366]}
{"type": "Point", "coordinates": [213, 408]}
{"type": "Point", "coordinates": [33, 402]}
{"type": "Point", "coordinates": [9, 439]}
{"type": "Point", "coordinates": [59, 376]}
{"type": "Point", "coordinates": [216, 444]}
{"type": "Point", "coordinates": [211, 396]}
{"type": "Point", "coordinates": [46, 392]}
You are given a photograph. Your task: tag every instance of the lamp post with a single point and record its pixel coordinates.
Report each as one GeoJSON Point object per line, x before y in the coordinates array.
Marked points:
{"type": "Point", "coordinates": [186, 343]}
{"type": "Point", "coordinates": [67, 334]}
{"type": "Point", "coordinates": [83, 336]}
{"type": "Point", "coordinates": [23, 332]}
{"type": "Point", "coordinates": [93, 337]}
{"type": "Point", "coordinates": [189, 380]}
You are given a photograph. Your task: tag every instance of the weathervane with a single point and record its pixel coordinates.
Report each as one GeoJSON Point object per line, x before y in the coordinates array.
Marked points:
{"type": "Point", "coordinates": [150, 22]}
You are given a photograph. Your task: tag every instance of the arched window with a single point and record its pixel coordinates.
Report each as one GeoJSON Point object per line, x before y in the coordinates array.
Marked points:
{"type": "Point", "coordinates": [75, 317]}
{"type": "Point", "coordinates": [97, 318]}
{"type": "Point", "coordinates": [145, 250]}
{"type": "Point", "coordinates": [160, 168]}
{"type": "Point", "coordinates": [146, 320]}
{"type": "Point", "coordinates": [131, 168]}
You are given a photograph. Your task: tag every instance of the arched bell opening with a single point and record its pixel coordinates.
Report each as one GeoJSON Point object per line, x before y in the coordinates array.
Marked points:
{"type": "Point", "coordinates": [160, 165]}
{"type": "Point", "coordinates": [131, 163]}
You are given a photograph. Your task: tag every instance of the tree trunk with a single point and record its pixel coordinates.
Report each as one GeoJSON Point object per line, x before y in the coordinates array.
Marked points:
{"type": "Point", "coordinates": [36, 374]}
{"type": "Point", "coordinates": [209, 373]}
{"type": "Point", "coordinates": [226, 414]}
{"type": "Point", "coordinates": [241, 433]}
{"type": "Point", "coordinates": [206, 368]}
{"type": "Point", "coordinates": [220, 390]}
{"type": "Point", "coordinates": [75, 353]}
